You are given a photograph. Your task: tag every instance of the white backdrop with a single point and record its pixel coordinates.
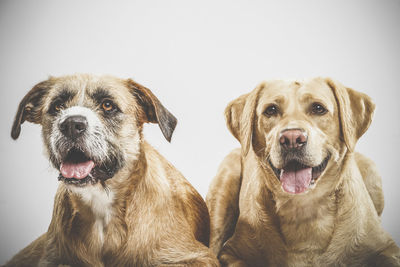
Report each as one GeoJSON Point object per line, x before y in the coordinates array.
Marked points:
{"type": "Point", "coordinates": [196, 57]}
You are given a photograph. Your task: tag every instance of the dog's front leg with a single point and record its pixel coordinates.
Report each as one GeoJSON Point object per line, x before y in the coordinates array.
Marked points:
{"type": "Point", "coordinates": [193, 264]}
{"type": "Point", "coordinates": [230, 255]}
{"type": "Point", "coordinates": [230, 260]}
{"type": "Point", "coordinates": [50, 260]}
{"type": "Point", "coordinates": [205, 261]}
{"type": "Point", "coordinates": [51, 256]}
{"type": "Point", "coordinates": [200, 257]}
{"type": "Point", "coordinates": [210, 261]}
{"type": "Point", "coordinates": [389, 257]}
{"type": "Point", "coordinates": [240, 250]}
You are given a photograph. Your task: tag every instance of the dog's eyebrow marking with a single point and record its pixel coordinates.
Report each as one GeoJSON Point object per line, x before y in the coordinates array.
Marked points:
{"type": "Point", "coordinates": [64, 96]}
{"type": "Point", "coordinates": [311, 98]}
{"type": "Point", "coordinates": [100, 94]}
{"type": "Point", "coordinates": [279, 100]}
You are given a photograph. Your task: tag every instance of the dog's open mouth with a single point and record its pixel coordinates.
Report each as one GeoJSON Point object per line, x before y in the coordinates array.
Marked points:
{"type": "Point", "coordinates": [76, 168]}
{"type": "Point", "coordinates": [296, 177]}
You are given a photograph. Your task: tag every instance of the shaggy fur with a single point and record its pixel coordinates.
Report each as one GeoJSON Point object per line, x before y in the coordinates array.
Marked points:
{"type": "Point", "coordinates": [135, 209]}
{"type": "Point", "coordinates": [335, 222]}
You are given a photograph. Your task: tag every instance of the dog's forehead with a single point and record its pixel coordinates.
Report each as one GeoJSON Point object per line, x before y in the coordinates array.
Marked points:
{"type": "Point", "coordinates": [286, 91]}
{"type": "Point", "coordinates": [82, 88]}
{"type": "Point", "coordinates": [318, 88]}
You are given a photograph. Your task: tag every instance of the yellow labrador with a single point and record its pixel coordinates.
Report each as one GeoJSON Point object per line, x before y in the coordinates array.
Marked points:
{"type": "Point", "coordinates": [296, 193]}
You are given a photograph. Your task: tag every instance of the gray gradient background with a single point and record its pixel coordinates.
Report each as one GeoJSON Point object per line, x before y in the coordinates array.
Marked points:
{"type": "Point", "coordinates": [196, 57]}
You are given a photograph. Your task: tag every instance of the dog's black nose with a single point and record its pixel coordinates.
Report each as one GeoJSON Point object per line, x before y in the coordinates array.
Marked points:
{"type": "Point", "coordinates": [74, 126]}
{"type": "Point", "coordinates": [293, 139]}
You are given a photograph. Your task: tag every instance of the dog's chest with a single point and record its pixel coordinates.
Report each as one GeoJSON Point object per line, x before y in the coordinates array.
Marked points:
{"type": "Point", "coordinates": [107, 234]}
{"type": "Point", "coordinates": [100, 202]}
{"type": "Point", "coordinates": [307, 228]}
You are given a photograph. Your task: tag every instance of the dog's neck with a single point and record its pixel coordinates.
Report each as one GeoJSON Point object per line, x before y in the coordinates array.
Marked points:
{"type": "Point", "coordinates": [103, 201]}
{"type": "Point", "coordinates": [288, 212]}
{"type": "Point", "coordinates": [309, 220]}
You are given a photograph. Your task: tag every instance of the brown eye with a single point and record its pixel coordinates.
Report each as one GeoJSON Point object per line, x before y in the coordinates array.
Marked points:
{"type": "Point", "coordinates": [272, 110]}
{"type": "Point", "coordinates": [108, 105]}
{"type": "Point", "coordinates": [318, 109]}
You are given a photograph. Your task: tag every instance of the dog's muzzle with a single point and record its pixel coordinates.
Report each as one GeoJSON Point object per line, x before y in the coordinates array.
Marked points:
{"type": "Point", "coordinates": [296, 176]}
{"type": "Point", "coordinates": [80, 149]}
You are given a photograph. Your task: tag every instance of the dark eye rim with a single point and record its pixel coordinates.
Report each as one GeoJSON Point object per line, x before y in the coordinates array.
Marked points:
{"type": "Point", "coordinates": [271, 110]}
{"type": "Point", "coordinates": [318, 111]}
{"type": "Point", "coordinates": [56, 107]}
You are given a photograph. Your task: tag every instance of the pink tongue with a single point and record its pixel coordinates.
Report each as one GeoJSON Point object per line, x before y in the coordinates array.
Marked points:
{"type": "Point", "coordinates": [76, 170]}
{"type": "Point", "coordinates": [296, 182]}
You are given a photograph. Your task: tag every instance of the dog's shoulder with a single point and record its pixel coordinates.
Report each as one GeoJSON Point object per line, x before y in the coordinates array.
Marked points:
{"type": "Point", "coordinates": [162, 170]}
{"type": "Point", "coordinates": [182, 194]}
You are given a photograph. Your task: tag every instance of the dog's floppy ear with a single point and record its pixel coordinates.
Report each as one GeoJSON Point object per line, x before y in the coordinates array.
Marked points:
{"type": "Point", "coordinates": [154, 111]}
{"type": "Point", "coordinates": [30, 108]}
{"type": "Point", "coordinates": [240, 117]}
{"type": "Point", "coordinates": [355, 112]}
{"type": "Point", "coordinates": [233, 115]}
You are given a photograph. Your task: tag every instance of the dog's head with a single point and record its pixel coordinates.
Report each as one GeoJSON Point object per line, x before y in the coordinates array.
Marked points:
{"type": "Point", "coordinates": [91, 125]}
{"type": "Point", "coordinates": [297, 128]}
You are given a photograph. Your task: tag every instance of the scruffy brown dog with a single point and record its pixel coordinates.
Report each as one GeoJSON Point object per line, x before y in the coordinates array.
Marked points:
{"type": "Point", "coordinates": [119, 203]}
{"type": "Point", "coordinates": [297, 194]}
